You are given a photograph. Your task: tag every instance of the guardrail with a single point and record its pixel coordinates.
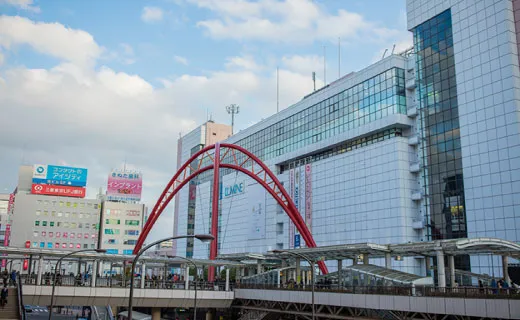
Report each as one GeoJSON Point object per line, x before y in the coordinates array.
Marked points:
{"type": "Point", "coordinates": [108, 282]}
{"type": "Point", "coordinates": [418, 291]}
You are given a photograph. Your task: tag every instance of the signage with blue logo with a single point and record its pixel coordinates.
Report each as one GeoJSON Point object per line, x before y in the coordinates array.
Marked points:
{"type": "Point", "coordinates": [296, 240]}
{"type": "Point", "coordinates": [59, 175]}
{"type": "Point", "coordinates": [231, 190]}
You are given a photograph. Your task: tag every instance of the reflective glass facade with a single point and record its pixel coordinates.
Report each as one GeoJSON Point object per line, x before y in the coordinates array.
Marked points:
{"type": "Point", "coordinates": [363, 103]}
{"type": "Point", "coordinates": [439, 124]}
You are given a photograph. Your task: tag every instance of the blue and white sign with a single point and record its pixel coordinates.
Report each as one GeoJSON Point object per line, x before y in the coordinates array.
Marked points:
{"type": "Point", "coordinates": [296, 241]}
{"type": "Point", "coordinates": [59, 175]}
{"type": "Point", "coordinates": [227, 191]}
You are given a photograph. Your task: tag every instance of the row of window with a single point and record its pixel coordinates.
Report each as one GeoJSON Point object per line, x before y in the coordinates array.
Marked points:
{"type": "Point", "coordinates": [58, 245]}
{"type": "Point", "coordinates": [69, 204]}
{"type": "Point", "coordinates": [342, 148]}
{"type": "Point", "coordinates": [119, 212]}
{"type": "Point", "coordinates": [115, 251]}
{"type": "Point", "coordinates": [131, 242]}
{"type": "Point", "coordinates": [61, 224]}
{"type": "Point", "coordinates": [59, 214]}
{"type": "Point", "coordinates": [118, 221]}
{"type": "Point", "coordinates": [70, 235]}
{"type": "Point", "coordinates": [118, 231]}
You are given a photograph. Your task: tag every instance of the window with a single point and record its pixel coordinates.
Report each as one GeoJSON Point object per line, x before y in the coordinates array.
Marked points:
{"type": "Point", "coordinates": [49, 245]}
{"type": "Point", "coordinates": [51, 223]}
{"type": "Point", "coordinates": [35, 234]}
{"type": "Point", "coordinates": [128, 251]}
{"type": "Point", "coordinates": [130, 242]}
{"type": "Point", "coordinates": [44, 223]}
{"type": "Point", "coordinates": [68, 204]}
{"type": "Point", "coordinates": [132, 232]}
{"type": "Point", "coordinates": [58, 234]}
{"type": "Point", "coordinates": [112, 221]}
{"type": "Point", "coordinates": [112, 251]}
{"type": "Point", "coordinates": [85, 246]}
{"type": "Point", "coordinates": [51, 234]}
{"type": "Point", "coordinates": [72, 235]}
{"type": "Point", "coordinates": [60, 214]}
{"type": "Point", "coordinates": [44, 233]}
{"type": "Point", "coordinates": [35, 244]}
{"type": "Point", "coordinates": [57, 245]}
{"type": "Point", "coordinates": [65, 234]}
{"type": "Point", "coordinates": [64, 245]}
{"type": "Point", "coordinates": [132, 222]}
{"type": "Point", "coordinates": [80, 235]}
{"type": "Point", "coordinates": [112, 231]}
{"type": "Point", "coordinates": [38, 212]}
{"type": "Point", "coordinates": [37, 223]}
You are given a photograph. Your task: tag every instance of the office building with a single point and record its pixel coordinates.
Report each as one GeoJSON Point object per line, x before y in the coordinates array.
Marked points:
{"type": "Point", "coordinates": [6, 202]}
{"type": "Point", "coordinates": [120, 226]}
{"type": "Point", "coordinates": [422, 145]}
{"type": "Point", "coordinates": [184, 215]}
{"type": "Point", "coordinates": [52, 222]}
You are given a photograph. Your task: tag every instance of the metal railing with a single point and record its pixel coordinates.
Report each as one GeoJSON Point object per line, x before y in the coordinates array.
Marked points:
{"type": "Point", "coordinates": [418, 291]}
{"type": "Point", "coordinates": [115, 282]}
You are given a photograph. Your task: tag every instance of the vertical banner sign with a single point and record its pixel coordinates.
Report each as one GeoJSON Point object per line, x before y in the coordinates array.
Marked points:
{"type": "Point", "coordinates": [301, 195]}
{"type": "Point", "coordinates": [7, 235]}
{"type": "Point", "coordinates": [296, 199]}
{"type": "Point", "coordinates": [308, 196]}
{"type": "Point", "coordinates": [291, 224]}
{"type": "Point", "coordinates": [26, 264]}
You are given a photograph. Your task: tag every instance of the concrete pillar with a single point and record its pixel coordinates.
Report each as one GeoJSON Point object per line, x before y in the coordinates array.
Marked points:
{"type": "Point", "coordinates": [441, 274]}
{"type": "Point", "coordinates": [187, 277]}
{"type": "Point", "coordinates": [258, 266]}
{"type": "Point", "coordinates": [340, 273]}
{"type": "Point", "coordinates": [388, 260]}
{"type": "Point", "coordinates": [40, 267]}
{"type": "Point", "coordinates": [298, 271]}
{"type": "Point", "coordinates": [156, 313]}
{"type": "Point", "coordinates": [143, 275]}
{"type": "Point", "coordinates": [451, 265]}
{"type": "Point", "coordinates": [94, 274]}
{"type": "Point", "coordinates": [79, 266]}
{"type": "Point", "coordinates": [428, 266]}
{"type": "Point", "coordinates": [365, 258]}
{"type": "Point", "coordinates": [227, 279]}
{"type": "Point", "coordinates": [209, 315]}
{"type": "Point", "coordinates": [354, 261]}
{"type": "Point", "coordinates": [505, 272]}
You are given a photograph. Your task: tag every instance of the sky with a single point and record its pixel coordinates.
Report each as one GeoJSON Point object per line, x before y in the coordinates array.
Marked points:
{"type": "Point", "coordinates": [97, 84]}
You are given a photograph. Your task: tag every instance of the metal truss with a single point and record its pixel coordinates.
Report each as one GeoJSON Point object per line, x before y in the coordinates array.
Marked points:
{"type": "Point", "coordinates": [227, 156]}
{"type": "Point", "coordinates": [290, 310]}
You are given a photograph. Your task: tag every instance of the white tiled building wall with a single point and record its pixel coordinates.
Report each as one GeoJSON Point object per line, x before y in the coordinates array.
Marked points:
{"type": "Point", "coordinates": [488, 86]}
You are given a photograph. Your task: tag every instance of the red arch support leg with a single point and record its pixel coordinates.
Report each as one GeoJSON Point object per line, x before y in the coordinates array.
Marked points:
{"type": "Point", "coordinates": [227, 156]}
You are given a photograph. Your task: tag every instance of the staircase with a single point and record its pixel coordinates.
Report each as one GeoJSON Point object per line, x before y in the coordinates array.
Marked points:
{"type": "Point", "coordinates": [10, 311]}
{"type": "Point", "coordinates": [254, 315]}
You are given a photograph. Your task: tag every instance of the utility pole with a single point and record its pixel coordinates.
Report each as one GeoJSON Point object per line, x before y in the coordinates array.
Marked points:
{"type": "Point", "coordinates": [233, 109]}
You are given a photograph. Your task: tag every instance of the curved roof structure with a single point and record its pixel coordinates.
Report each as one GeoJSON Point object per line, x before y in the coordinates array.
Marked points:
{"type": "Point", "coordinates": [386, 274]}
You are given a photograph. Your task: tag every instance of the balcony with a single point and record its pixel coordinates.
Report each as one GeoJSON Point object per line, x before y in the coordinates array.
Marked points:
{"type": "Point", "coordinates": [417, 195]}
{"type": "Point", "coordinates": [413, 140]}
{"type": "Point", "coordinates": [415, 167]}
{"type": "Point", "coordinates": [412, 111]}
{"type": "Point", "coordinates": [418, 224]}
{"type": "Point", "coordinates": [410, 83]}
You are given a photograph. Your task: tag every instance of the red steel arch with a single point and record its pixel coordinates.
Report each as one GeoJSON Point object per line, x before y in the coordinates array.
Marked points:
{"type": "Point", "coordinates": [241, 160]}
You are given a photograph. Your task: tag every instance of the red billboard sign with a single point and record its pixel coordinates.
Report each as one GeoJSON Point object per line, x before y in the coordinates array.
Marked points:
{"type": "Point", "coordinates": [51, 190]}
{"type": "Point", "coordinates": [7, 235]}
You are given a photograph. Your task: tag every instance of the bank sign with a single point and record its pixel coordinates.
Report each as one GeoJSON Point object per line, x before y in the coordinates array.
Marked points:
{"type": "Point", "coordinates": [227, 191]}
{"type": "Point", "coordinates": [59, 175]}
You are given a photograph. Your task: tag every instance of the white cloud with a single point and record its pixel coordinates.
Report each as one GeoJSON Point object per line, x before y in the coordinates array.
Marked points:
{"type": "Point", "coordinates": [54, 39]}
{"type": "Point", "coordinates": [152, 14]}
{"type": "Point", "coordinates": [303, 64]}
{"type": "Point", "coordinates": [288, 21]}
{"type": "Point", "coordinates": [243, 62]}
{"type": "Point", "coordinates": [93, 117]}
{"type": "Point", "coordinates": [22, 4]}
{"type": "Point", "coordinates": [181, 60]}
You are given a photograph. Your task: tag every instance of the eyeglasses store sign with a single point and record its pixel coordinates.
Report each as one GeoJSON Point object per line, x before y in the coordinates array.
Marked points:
{"type": "Point", "coordinates": [230, 190]}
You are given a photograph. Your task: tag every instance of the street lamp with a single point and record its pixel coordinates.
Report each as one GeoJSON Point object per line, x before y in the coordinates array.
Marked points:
{"type": "Point", "coordinates": [201, 237]}
{"type": "Point", "coordinates": [56, 270]}
{"type": "Point", "coordinates": [311, 263]}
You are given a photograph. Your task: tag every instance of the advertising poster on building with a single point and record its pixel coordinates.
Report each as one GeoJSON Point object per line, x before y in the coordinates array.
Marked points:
{"type": "Point", "coordinates": [256, 211]}
{"type": "Point", "coordinates": [308, 196]}
{"type": "Point", "coordinates": [59, 175]}
{"type": "Point", "coordinates": [55, 190]}
{"type": "Point", "coordinates": [124, 186]}
{"type": "Point", "coordinates": [296, 200]}
{"type": "Point", "coordinates": [291, 224]}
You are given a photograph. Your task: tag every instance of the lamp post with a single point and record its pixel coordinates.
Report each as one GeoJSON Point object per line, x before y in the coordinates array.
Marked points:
{"type": "Point", "coordinates": [311, 263]}
{"type": "Point", "coordinates": [56, 270]}
{"type": "Point", "coordinates": [201, 237]}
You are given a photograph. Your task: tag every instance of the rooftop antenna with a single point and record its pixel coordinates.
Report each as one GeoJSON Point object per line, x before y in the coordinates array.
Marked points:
{"type": "Point", "coordinates": [277, 90]}
{"type": "Point", "coordinates": [124, 165]}
{"type": "Point", "coordinates": [314, 79]}
{"type": "Point", "coordinates": [384, 53]}
{"type": "Point", "coordinates": [393, 48]}
{"type": "Point", "coordinates": [233, 109]}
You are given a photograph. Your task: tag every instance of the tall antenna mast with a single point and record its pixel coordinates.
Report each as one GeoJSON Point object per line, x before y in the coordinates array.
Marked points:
{"type": "Point", "coordinates": [314, 80]}
{"type": "Point", "coordinates": [233, 109]}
